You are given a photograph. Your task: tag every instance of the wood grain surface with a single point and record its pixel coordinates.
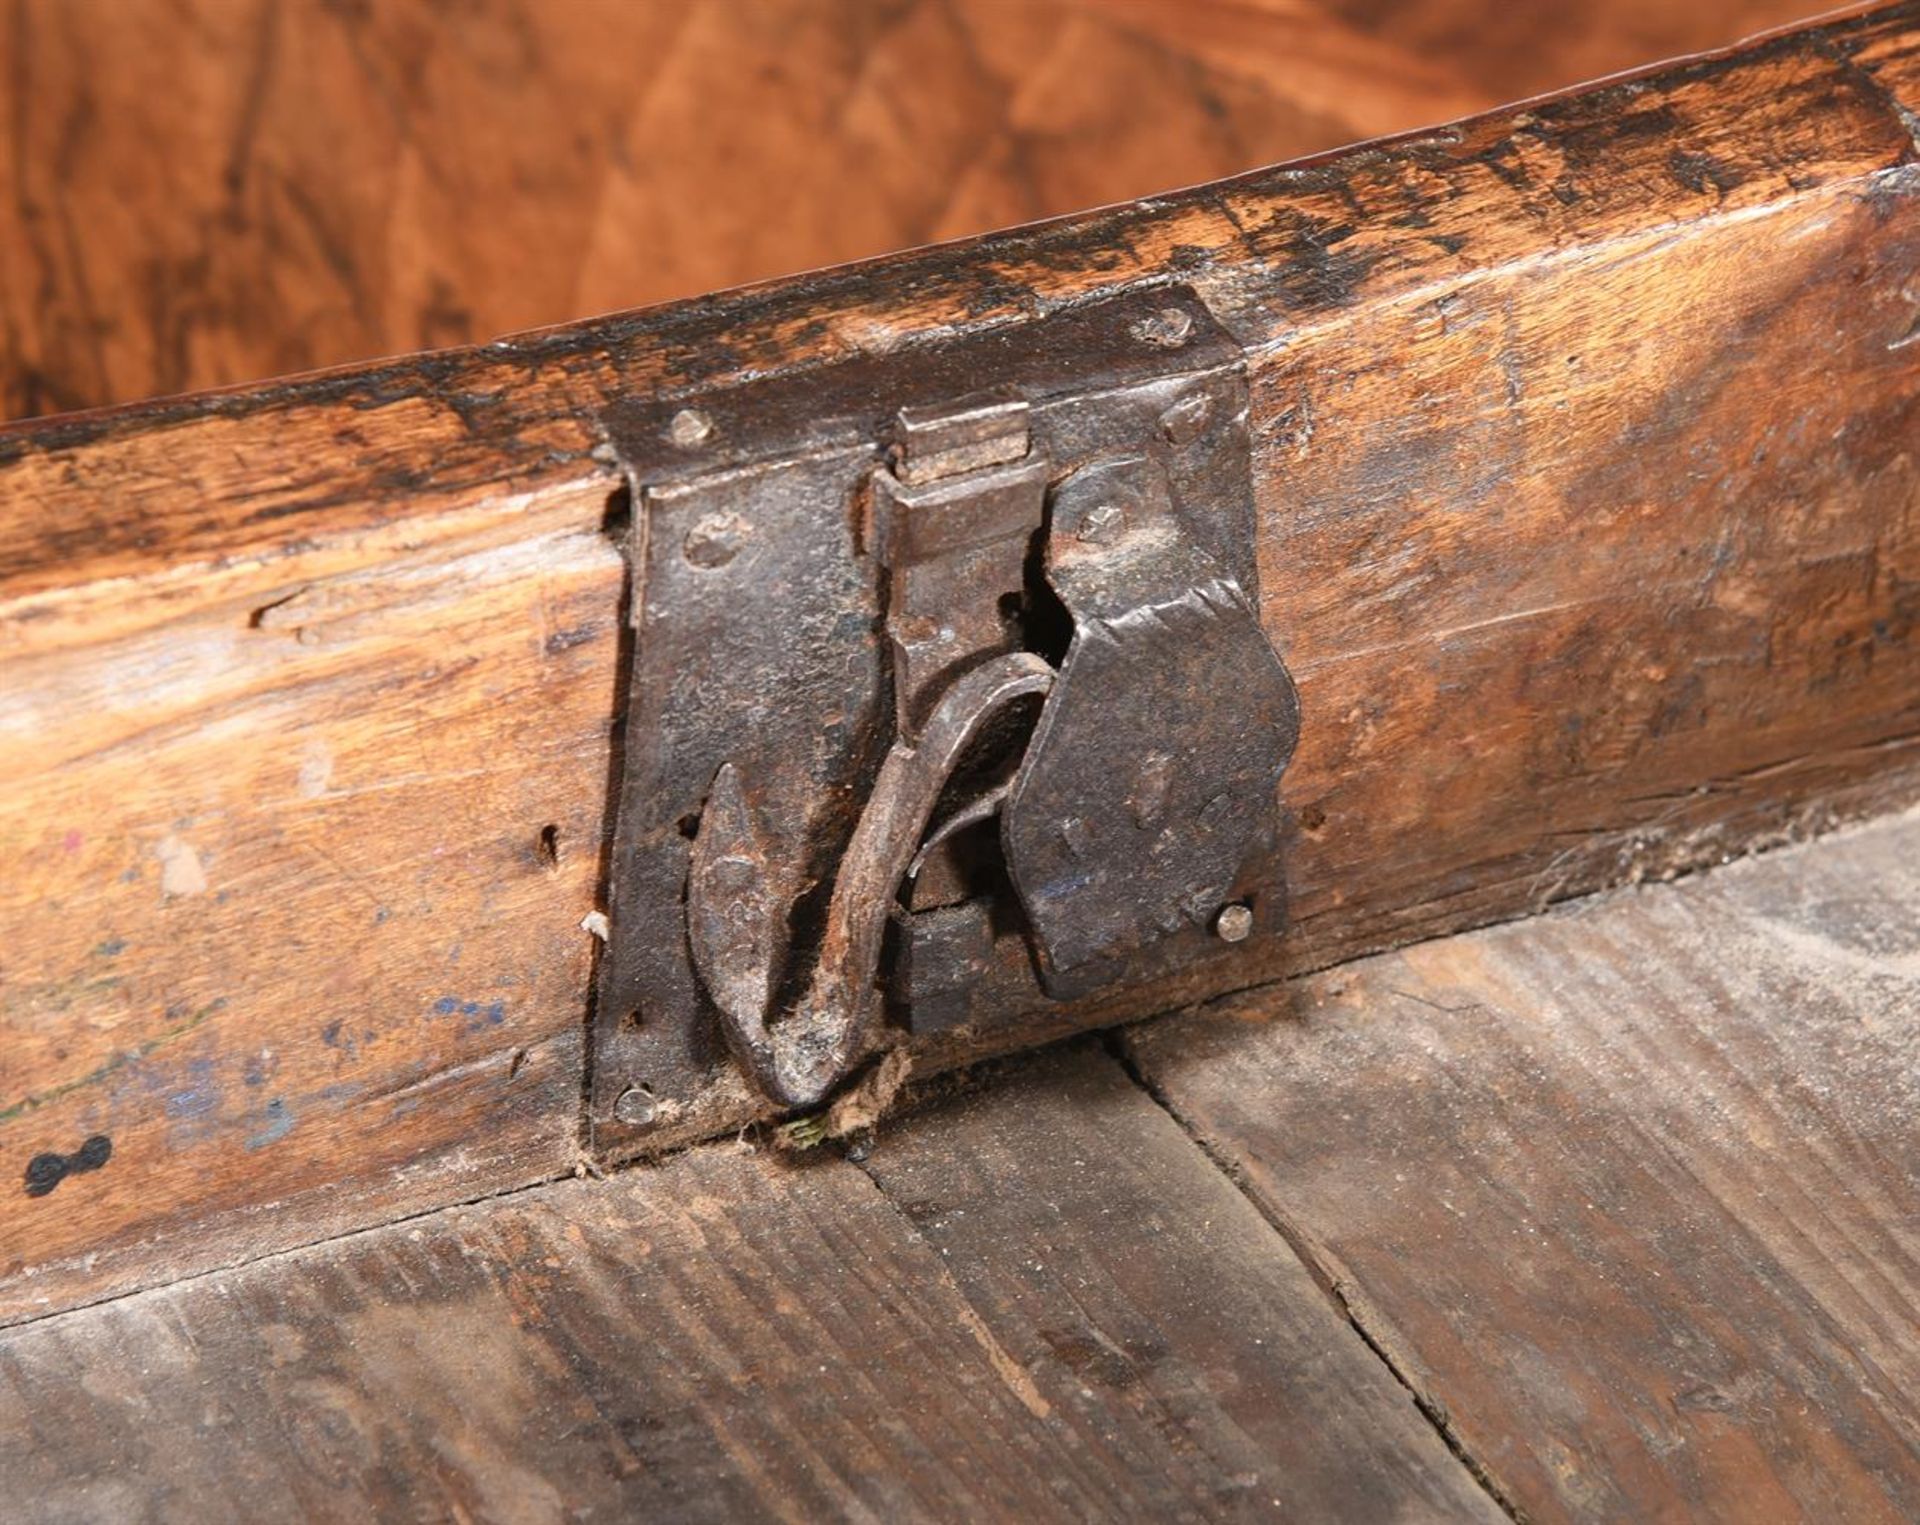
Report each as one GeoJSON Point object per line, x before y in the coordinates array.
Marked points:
{"type": "Point", "coordinates": [1583, 459]}
{"type": "Point", "coordinates": [305, 870]}
{"type": "Point", "coordinates": [1034, 1328]}
{"type": "Point", "coordinates": [1624, 1197]}
{"type": "Point", "coordinates": [205, 192]}
{"type": "Point", "coordinates": [1630, 1192]}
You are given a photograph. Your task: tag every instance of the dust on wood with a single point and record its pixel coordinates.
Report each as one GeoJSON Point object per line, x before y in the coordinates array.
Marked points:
{"type": "Point", "coordinates": [1587, 527]}
{"type": "Point", "coordinates": [1028, 1326]}
{"type": "Point", "coordinates": [1626, 1192]}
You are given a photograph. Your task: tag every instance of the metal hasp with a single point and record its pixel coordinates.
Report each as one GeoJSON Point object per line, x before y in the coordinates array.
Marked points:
{"type": "Point", "coordinates": [949, 703]}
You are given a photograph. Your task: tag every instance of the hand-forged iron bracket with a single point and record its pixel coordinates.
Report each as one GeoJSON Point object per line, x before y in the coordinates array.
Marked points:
{"type": "Point", "coordinates": [730, 911]}
{"type": "Point", "coordinates": [950, 707]}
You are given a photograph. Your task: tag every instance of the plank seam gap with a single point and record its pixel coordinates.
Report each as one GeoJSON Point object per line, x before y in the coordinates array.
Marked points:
{"type": "Point", "coordinates": [1430, 1408]}
{"type": "Point", "coordinates": [616, 524]}
{"type": "Point", "coordinates": [1013, 1373]}
{"type": "Point", "coordinates": [267, 1257]}
{"type": "Point", "coordinates": [1884, 795]}
{"type": "Point", "coordinates": [985, 1068]}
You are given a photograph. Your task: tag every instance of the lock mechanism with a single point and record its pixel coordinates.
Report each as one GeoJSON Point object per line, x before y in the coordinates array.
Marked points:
{"type": "Point", "coordinates": [949, 703]}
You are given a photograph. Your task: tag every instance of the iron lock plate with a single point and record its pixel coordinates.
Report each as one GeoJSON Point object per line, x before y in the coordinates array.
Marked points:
{"type": "Point", "coordinates": [948, 705]}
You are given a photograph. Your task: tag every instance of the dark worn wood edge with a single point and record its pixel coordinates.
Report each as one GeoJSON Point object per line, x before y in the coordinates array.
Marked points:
{"type": "Point", "coordinates": [1806, 133]}
{"type": "Point", "coordinates": [436, 430]}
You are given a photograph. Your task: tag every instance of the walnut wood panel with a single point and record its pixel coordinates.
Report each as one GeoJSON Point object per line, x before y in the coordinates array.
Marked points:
{"type": "Point", "coordinates": [725, 1338]}
{"type": "Point", "coordinates": [1629, 1192]}
{"type": "Point", "coordinates": [1588, 527]}
{"type": "Point", "coordinates": [194, 194]}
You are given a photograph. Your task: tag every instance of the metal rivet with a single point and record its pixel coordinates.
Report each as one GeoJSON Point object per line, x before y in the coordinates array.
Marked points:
{"type": "Point", "coordinates": [1233, 924]}
{"type": "Point", "coordinates": [1169, 328]}
{"type": "Point", "coordinates": [636, 1107]}
{"type": "Point", "coordinates": [690, 427]}
{"type": "Point", "coordinates": [1186, 420]}
{"type": "Point", "coordinates": [1102, 524]}
{"type": "Point", "coordinates": [716, 540]}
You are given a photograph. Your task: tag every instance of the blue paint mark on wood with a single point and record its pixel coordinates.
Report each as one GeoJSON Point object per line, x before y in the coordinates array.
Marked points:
{"type": "Point", "coordinates": [279, 1123]}
{"type": "Point", "coordinates": [480, 1015]}
{"type": "Point", "coordinates": [201, 1094]}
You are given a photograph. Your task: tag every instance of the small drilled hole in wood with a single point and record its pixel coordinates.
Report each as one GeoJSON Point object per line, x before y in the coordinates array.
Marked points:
{"type": "Point", "coordinates": [1312, 818]}
{"type": "Point", "coordinates": [690, 825]}
{"type": "Point", "coordinates": [633, 1019]}
{"type": "Point", "coordinates": [550, 846]}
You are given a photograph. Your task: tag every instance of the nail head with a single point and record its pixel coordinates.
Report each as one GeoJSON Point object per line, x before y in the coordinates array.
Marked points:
{"type": "Point", "coordinates": [1103, 523]}
{"type": "Point", "coordinates": [1169, 328]}
{"type": "Point", "coordinates": [1233, 924]}
{"type": "Point", "coordinates": [690, 427]}
{"type": "Point", "coordinates": [716, 540]}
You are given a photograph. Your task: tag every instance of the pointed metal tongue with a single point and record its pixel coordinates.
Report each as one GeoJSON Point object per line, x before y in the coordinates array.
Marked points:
{"type": "Point", "coordinates": [733, 908]}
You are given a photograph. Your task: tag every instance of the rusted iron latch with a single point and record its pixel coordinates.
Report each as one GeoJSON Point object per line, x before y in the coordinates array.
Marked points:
{"type": "Point", "coordinates": [950, 702]}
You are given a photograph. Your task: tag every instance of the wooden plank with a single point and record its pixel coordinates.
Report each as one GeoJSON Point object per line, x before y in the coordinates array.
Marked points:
{"type": "Point", "coordinates": [205, 192]}
{"type": "Point", "coordinates": [1631, 1191]}
{"type": "Point", "coordinates": [1807, 123]}
{"type": "Point", "coordinates": [299, 927]}
{"type": "Point", "coordinates": [1587, 527]}
{"type": "Point", "coordinates": [1105, 1251]}
{"type": "Point", "coordinates": [1036, 1328]}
